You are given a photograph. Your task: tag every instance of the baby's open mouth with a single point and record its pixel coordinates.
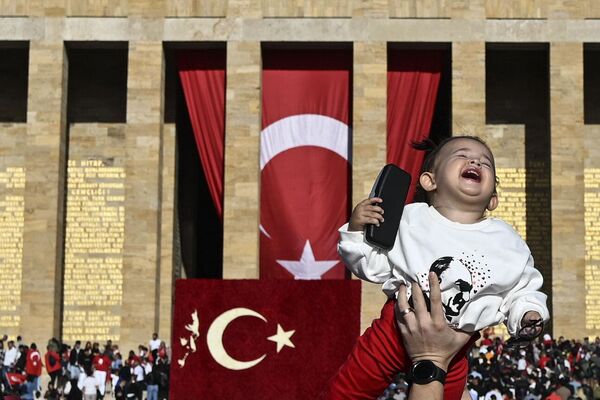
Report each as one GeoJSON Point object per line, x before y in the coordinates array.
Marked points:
{"type": "Point", "coordinates": [472, 174]}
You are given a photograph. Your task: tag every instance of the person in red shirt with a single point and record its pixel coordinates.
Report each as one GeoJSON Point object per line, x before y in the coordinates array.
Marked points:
{"type": "Point", "coordinates": [52, 365]}
{"type": "Point", "coordinates": [33, 365]}
{"type": "Point", "coordinates": [486, 341]}
{"type": "Point", "coordinates": [162, 351]}
{"type": "Point", "coordinates": [543, 360]}
{"type": "Point", "coordinates": [101, 363]}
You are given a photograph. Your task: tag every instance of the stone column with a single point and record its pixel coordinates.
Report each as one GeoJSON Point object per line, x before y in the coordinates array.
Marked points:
{"type": "Point", "coordinates": [166, 292]}
{"type": "Point", "coordinates": [142, 193]}
{"type": "Point", "coordinates": [242, 169]}
{"type": "Point", "coordinates": [468, 88]}
{"type": "Point", "coordinates": [45, 171]}
{"type": "Point", "coordinates": [369, 137]}
{"type": "Point", "coordinates": [568, 213]}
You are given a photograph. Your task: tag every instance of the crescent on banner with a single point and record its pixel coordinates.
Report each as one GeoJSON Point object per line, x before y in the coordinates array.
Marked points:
{"type": "Point", "coordinates": [303, 130]}
{"type": "Point", "coordinates": [214, 339]}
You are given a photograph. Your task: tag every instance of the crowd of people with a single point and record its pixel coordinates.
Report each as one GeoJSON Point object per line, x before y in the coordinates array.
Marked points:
{"type": "Point", "coordinates": [547, 369]}
{"type": "Point", "coordinates": [90, 371]}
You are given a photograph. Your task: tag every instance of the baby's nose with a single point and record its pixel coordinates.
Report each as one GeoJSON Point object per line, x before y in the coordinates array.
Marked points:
{"type": "Point", "coordinates": [476, 162]}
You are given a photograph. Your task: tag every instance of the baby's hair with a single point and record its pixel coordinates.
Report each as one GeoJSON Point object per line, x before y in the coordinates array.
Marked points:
{"type": "Point", "coordinates": [432, 150]}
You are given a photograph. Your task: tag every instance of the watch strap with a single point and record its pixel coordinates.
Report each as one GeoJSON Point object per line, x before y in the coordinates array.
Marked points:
{"type": "Point", "coordinates": [424, 372]}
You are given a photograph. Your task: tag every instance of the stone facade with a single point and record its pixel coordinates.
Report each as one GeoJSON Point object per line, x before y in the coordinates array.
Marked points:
{"type": "Point", "coordinates": [568, 223]}
{"type": "Point", "coordinates": [148, 144]}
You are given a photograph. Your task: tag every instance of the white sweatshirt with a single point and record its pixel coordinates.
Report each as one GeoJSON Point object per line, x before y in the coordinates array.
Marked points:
{"type": "Point", "coordinates": [486, 269]}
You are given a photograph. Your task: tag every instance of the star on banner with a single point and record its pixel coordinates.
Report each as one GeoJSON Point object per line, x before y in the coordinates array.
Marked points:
{"type": "Point", "coordinates": [282, 338]}
{"type": "Point", "coordinates": [307, 267]}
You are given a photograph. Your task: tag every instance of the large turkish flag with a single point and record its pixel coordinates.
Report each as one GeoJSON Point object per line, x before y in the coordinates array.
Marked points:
{"type": "Point", "coordinates": [260, 339]}
{"type": "Point", "coordinates": [305, 171]}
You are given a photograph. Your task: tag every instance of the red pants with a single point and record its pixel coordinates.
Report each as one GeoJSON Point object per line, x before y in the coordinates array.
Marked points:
{"type": "Point", "coordinates": [379, 355]}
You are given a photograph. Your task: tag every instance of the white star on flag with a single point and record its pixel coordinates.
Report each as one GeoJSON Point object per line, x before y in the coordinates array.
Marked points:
{"type": "Point", "coordinates": [307, 267]}
{"type": "Point", "coordinates": [282, 338]}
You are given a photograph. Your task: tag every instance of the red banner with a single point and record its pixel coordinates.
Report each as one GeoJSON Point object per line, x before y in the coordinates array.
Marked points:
{"type": "Point", "coordinates": [413, 81]}
{"type": "Point", "coordinates": [202, 75]}
{"type": "Point", "coordinates": [260, 339]}
{"type": "Point", "coordinates": [305, 172]}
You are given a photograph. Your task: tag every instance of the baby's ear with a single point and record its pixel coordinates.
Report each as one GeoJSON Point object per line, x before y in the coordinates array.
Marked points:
{"type": "Point", "coordinates": [493, 203]}
{"type": "Point", "coordinates": [427, 181]}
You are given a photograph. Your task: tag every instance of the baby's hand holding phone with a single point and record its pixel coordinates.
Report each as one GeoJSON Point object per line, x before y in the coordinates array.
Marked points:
{"type": "Point", "coordinates": [367, 211]}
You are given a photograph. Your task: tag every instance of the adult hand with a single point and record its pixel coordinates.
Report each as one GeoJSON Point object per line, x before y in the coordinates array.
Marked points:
{"type": "Point", "coordinates": [426, 335]}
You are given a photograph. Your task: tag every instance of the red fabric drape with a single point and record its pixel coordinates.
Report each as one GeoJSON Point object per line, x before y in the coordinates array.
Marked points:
{"type": "Point", "coordinates": [304, 162]}
{"type": "Point", "coordinates": [202, 75]}
{"type": "Point", "coordinates": [413, 81]}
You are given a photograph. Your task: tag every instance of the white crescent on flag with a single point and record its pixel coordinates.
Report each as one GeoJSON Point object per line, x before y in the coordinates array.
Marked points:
{"type": "Point", "coordinates": [303, 130]}
{"type": "Point", "coordinates": [300, 131]}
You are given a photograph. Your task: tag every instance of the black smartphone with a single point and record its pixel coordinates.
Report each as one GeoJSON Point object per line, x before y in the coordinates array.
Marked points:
{"type": "Point", "coordinates": [392, 185]}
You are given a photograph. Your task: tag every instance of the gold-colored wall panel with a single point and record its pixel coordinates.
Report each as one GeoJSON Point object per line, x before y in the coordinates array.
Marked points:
{"type": "Point", "coordinates": [592, 229]}
{"type": "Point", "coordinates": [507, 142]}
{"type": "Point", "coordinates": [592, 249]}
{"type": "Point", "coordinates": [12, 224]}
{"type": "Point", "coordinates": [512, 204]}
{"type": "Point", "coordinates": [95, 233]}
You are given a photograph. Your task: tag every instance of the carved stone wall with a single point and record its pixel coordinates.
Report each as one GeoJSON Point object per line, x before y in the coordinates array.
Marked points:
{"type": "Point", "coordinates": [34, 167]}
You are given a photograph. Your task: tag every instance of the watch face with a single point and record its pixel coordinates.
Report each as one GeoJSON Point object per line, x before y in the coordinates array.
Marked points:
{"type": "Point", "coordinates": [424, 370]}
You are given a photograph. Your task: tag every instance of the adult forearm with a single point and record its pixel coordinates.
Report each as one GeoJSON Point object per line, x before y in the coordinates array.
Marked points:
{"type": "Point", "coordinates": [431, 391]}
{"type": "Point", "coordinates": [429, 341]}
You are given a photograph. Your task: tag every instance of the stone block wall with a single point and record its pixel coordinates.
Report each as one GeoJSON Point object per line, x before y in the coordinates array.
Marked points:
{"type": "Point", "coordinates": [40, 149]}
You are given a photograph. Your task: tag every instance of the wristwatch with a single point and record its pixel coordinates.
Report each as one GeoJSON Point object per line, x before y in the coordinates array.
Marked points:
{"type": "Point", "coordinates": [423, 372]}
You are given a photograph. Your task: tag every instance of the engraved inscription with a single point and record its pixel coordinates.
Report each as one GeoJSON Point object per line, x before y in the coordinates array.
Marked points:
{"type": "Point", "coordinates": [93, 280]}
